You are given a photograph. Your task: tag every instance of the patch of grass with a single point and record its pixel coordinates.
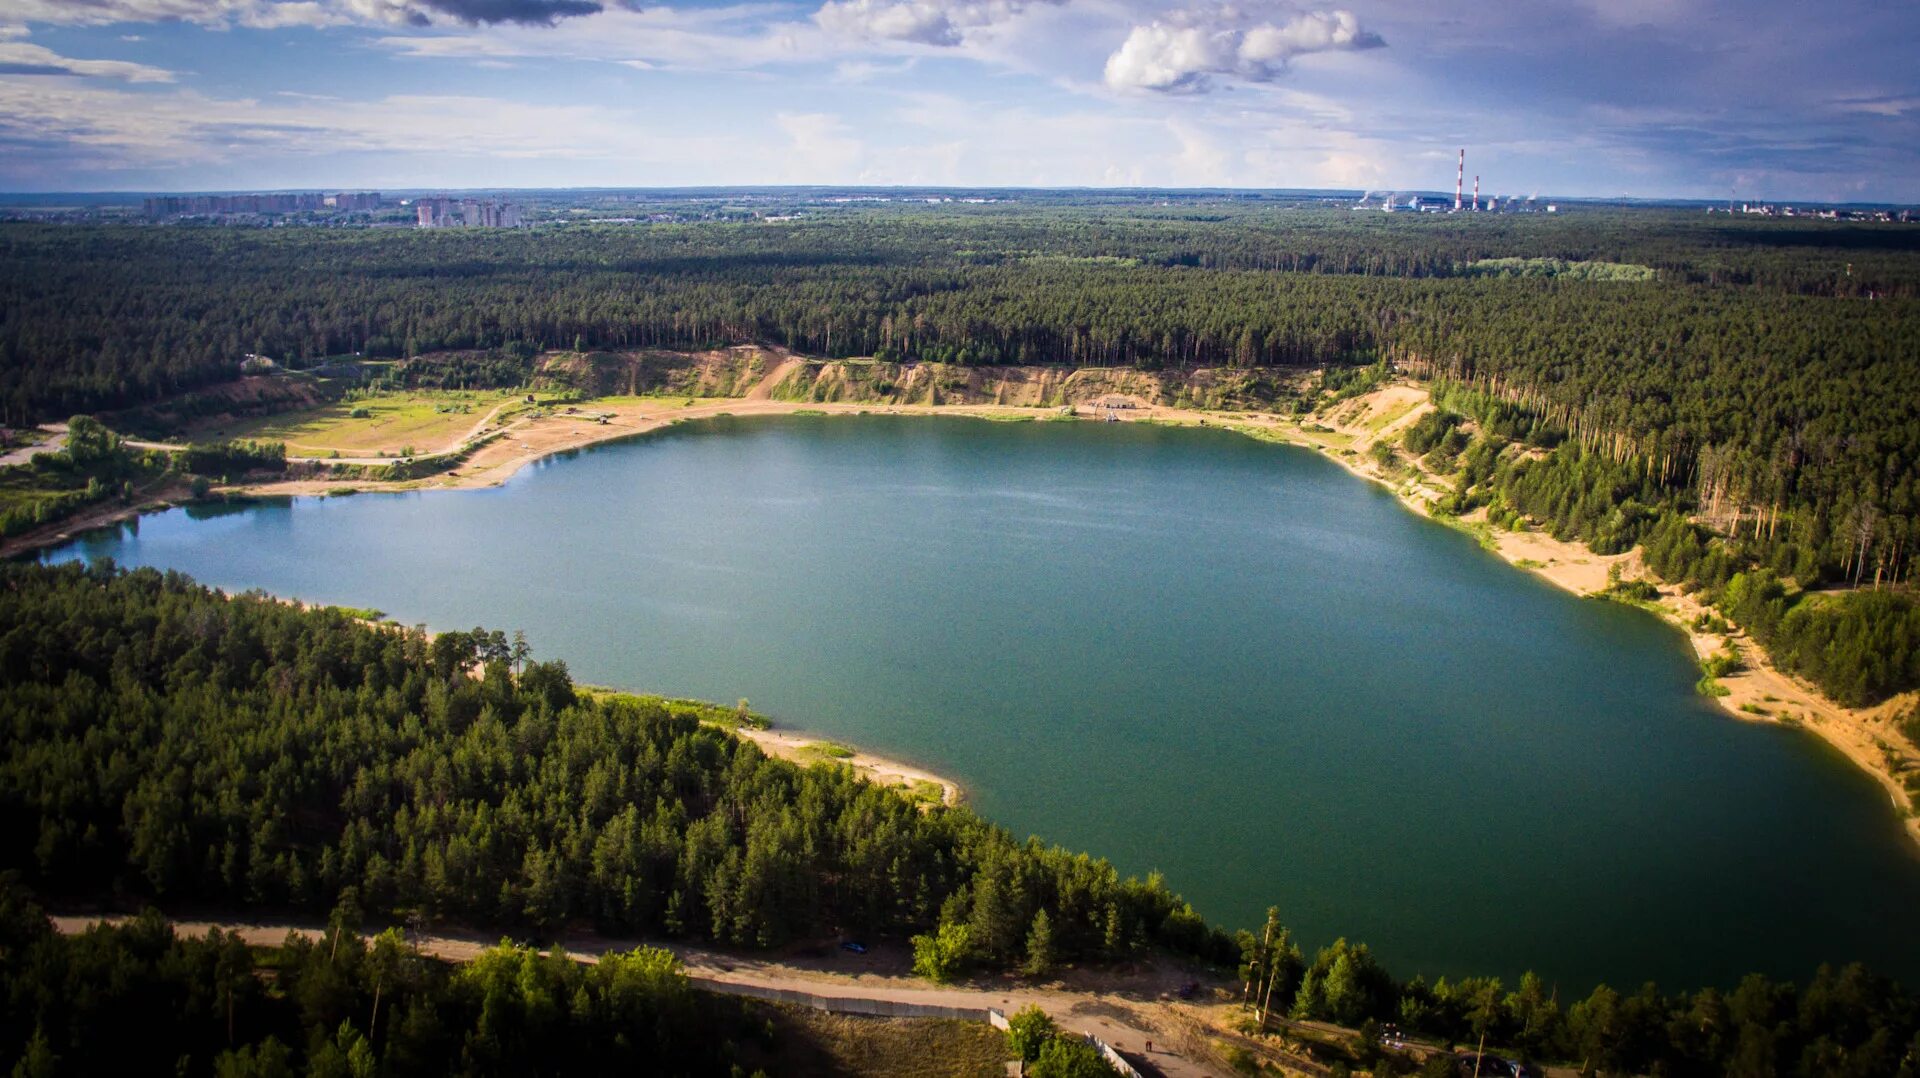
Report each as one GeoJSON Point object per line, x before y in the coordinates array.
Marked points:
{"type": "Point", "coordinates": [1755, 709]}
{"type": "Point", "coordinates": [827, 751]}
{"type": "Point", "coordinates": [1481, 531]}
{"type": "Point", "coordinates": [927, 792]}
{"type": "Point", "coordinates": [1558, 267]}
{"type": "Point", "coordinates": [370, 425]}
{"type": "Point", "coordinates": [810, 1042]}
{"type": "Point", "coordinates": [799, 411]}
{"type": "Point", "coordinates": [1531, 563]}
{"type": "Point", "coordinates": [1710, 686]}
{"type": "Point", "coordinates": [1721, 663]}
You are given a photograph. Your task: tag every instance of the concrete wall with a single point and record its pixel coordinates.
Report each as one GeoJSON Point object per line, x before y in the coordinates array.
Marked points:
{"type": "Point", "coordinates": [1114, 1059]}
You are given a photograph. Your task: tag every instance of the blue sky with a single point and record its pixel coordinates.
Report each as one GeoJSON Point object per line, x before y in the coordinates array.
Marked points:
{"type": "Point", "coordinates": [1648, 98]}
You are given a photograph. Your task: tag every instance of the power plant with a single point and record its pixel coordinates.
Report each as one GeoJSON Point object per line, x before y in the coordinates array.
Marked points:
{"type": "Point", "coordinates": [1391, 202]}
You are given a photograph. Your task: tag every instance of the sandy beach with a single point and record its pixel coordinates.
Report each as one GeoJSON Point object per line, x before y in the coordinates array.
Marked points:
{"type": "Point", "coordinates": [805, 749]}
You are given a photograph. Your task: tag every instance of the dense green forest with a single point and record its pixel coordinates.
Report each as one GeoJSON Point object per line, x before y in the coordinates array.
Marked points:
{"type": "Point", "coordinates": [108, 316]}
{"type": "Point", "coordinates": [137, 999]}
{"type": "Point", "coordinates": [165, 742]}
{"type": "Point", "coordinates": [1842, 1021]}
{"type": "Point", "coordinates": [162, 742]}
{"type": "Point", "coordinates": [1763, 567]}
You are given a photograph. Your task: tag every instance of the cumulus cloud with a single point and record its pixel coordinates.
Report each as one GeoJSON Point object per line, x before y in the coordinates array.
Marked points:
{"type": "Point", "coordinates": [922, 22]}
{"type": "Point", "coordinates": [274, 14]}
{"type": "Point", "coordinates": [1185, 51]}
{"type": "Point", "coordinates": [24, 58]}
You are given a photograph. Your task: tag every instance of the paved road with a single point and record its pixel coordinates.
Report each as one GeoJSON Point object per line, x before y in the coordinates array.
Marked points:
{"type": "Point", "coordinates": [1126, 1024]}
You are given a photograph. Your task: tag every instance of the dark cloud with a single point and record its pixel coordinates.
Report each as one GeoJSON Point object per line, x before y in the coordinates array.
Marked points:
{"type": "Point", "coordinates": [520, 12]}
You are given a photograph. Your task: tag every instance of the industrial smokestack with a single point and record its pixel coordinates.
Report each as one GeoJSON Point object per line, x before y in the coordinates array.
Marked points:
{"type": "Point", "coordinates": [1476, 194]}
{"type": "Point", "coordinates": [1460, 181]}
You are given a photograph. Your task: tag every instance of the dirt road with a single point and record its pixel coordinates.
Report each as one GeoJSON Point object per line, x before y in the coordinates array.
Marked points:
{"type": "Point", "coordinates": [1126, 1015]}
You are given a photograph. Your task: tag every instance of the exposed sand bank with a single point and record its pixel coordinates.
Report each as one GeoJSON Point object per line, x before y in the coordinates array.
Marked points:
{"type": "Point", "coordinates": [804, 749]}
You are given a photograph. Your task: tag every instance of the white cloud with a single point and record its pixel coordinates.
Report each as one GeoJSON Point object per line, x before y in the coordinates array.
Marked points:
{"type": "Point", "coordinates": [868, 70]}
{"type": "Point", "coordinates": [112, 129]}
{"type": "Point", "coordinates": [921, 22]}
{"type": "Point", "coordinates": [24, 58]}
{"type": "Point", "coordinates": [279, 14]}
{"type": "Point", "coordinates": [215, 13]}
{"type": "Point", "coordinates": [821, 148]}
{"type": "Point", "coordinates": [1878, 106]}
{"type": "Point", "coordinates": [1185, 51]}
{"type": "Point", "coordinates": [738, 37]}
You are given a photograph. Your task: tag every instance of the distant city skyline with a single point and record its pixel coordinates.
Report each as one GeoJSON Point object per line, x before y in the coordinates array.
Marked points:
{"type": "Point", "coordinates": [1659, 99]}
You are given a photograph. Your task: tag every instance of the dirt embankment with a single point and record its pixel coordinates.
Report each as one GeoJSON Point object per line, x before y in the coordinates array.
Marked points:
{"type": "Point", "coordinates": [719, 372]}
{"type": "Point", "coordinates": [246, 397]}
{"type": "Point", "coordinates": [755, 372]}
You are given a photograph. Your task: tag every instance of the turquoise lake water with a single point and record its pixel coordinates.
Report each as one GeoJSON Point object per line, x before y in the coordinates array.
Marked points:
{"type": "Point", "coordinates": [1180, 649]}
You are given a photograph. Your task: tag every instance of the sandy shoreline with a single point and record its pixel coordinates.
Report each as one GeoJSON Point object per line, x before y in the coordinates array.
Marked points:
{"type": "Point", "coordinates": [1342, 433]}
{"type": "Point", "coordinates": [805, 749]}
{"type": "Point", "coordinates": [1760, 692]}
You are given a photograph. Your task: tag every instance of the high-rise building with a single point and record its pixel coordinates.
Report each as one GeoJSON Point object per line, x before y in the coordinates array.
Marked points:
{"type": "Point", "coordinates": [443, 212]}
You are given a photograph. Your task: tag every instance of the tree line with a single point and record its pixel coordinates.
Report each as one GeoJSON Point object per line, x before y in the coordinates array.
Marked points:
{"type": "Point", "coordinates": [1842, 1021]}
{"type": "Point", "coordinates": [1812, 577]}
{"type": "Point", "coordinates": [138, 999]}
{"type": "Point", "coordinates": [102, 317]}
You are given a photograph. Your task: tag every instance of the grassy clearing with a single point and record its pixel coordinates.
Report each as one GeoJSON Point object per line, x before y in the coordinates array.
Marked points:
{"type": "Point", "coordinates": [1389, 416]}
{"type": "Point", "coordinates": [424, 422]}
{"type": "Point", "coordinates": [826, 752]}
{"type": "Point", "coordinates": [809, 1042]}
{"type": "Point", "coordinates": [1481, 531]}
{"type": "Point", "coordinates": [1560, 267]}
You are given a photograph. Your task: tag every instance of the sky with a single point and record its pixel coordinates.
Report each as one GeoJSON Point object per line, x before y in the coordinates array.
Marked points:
{"type": "Point", "coordinates": [1758, 99]}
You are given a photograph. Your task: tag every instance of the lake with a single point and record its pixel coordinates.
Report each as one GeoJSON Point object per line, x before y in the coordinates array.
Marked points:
{"type": "Point", "coordinates": [1181, 649]}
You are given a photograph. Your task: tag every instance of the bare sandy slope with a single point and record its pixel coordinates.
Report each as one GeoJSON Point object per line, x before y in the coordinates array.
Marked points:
{"type": "Point", "coordinates": [780, 373]}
